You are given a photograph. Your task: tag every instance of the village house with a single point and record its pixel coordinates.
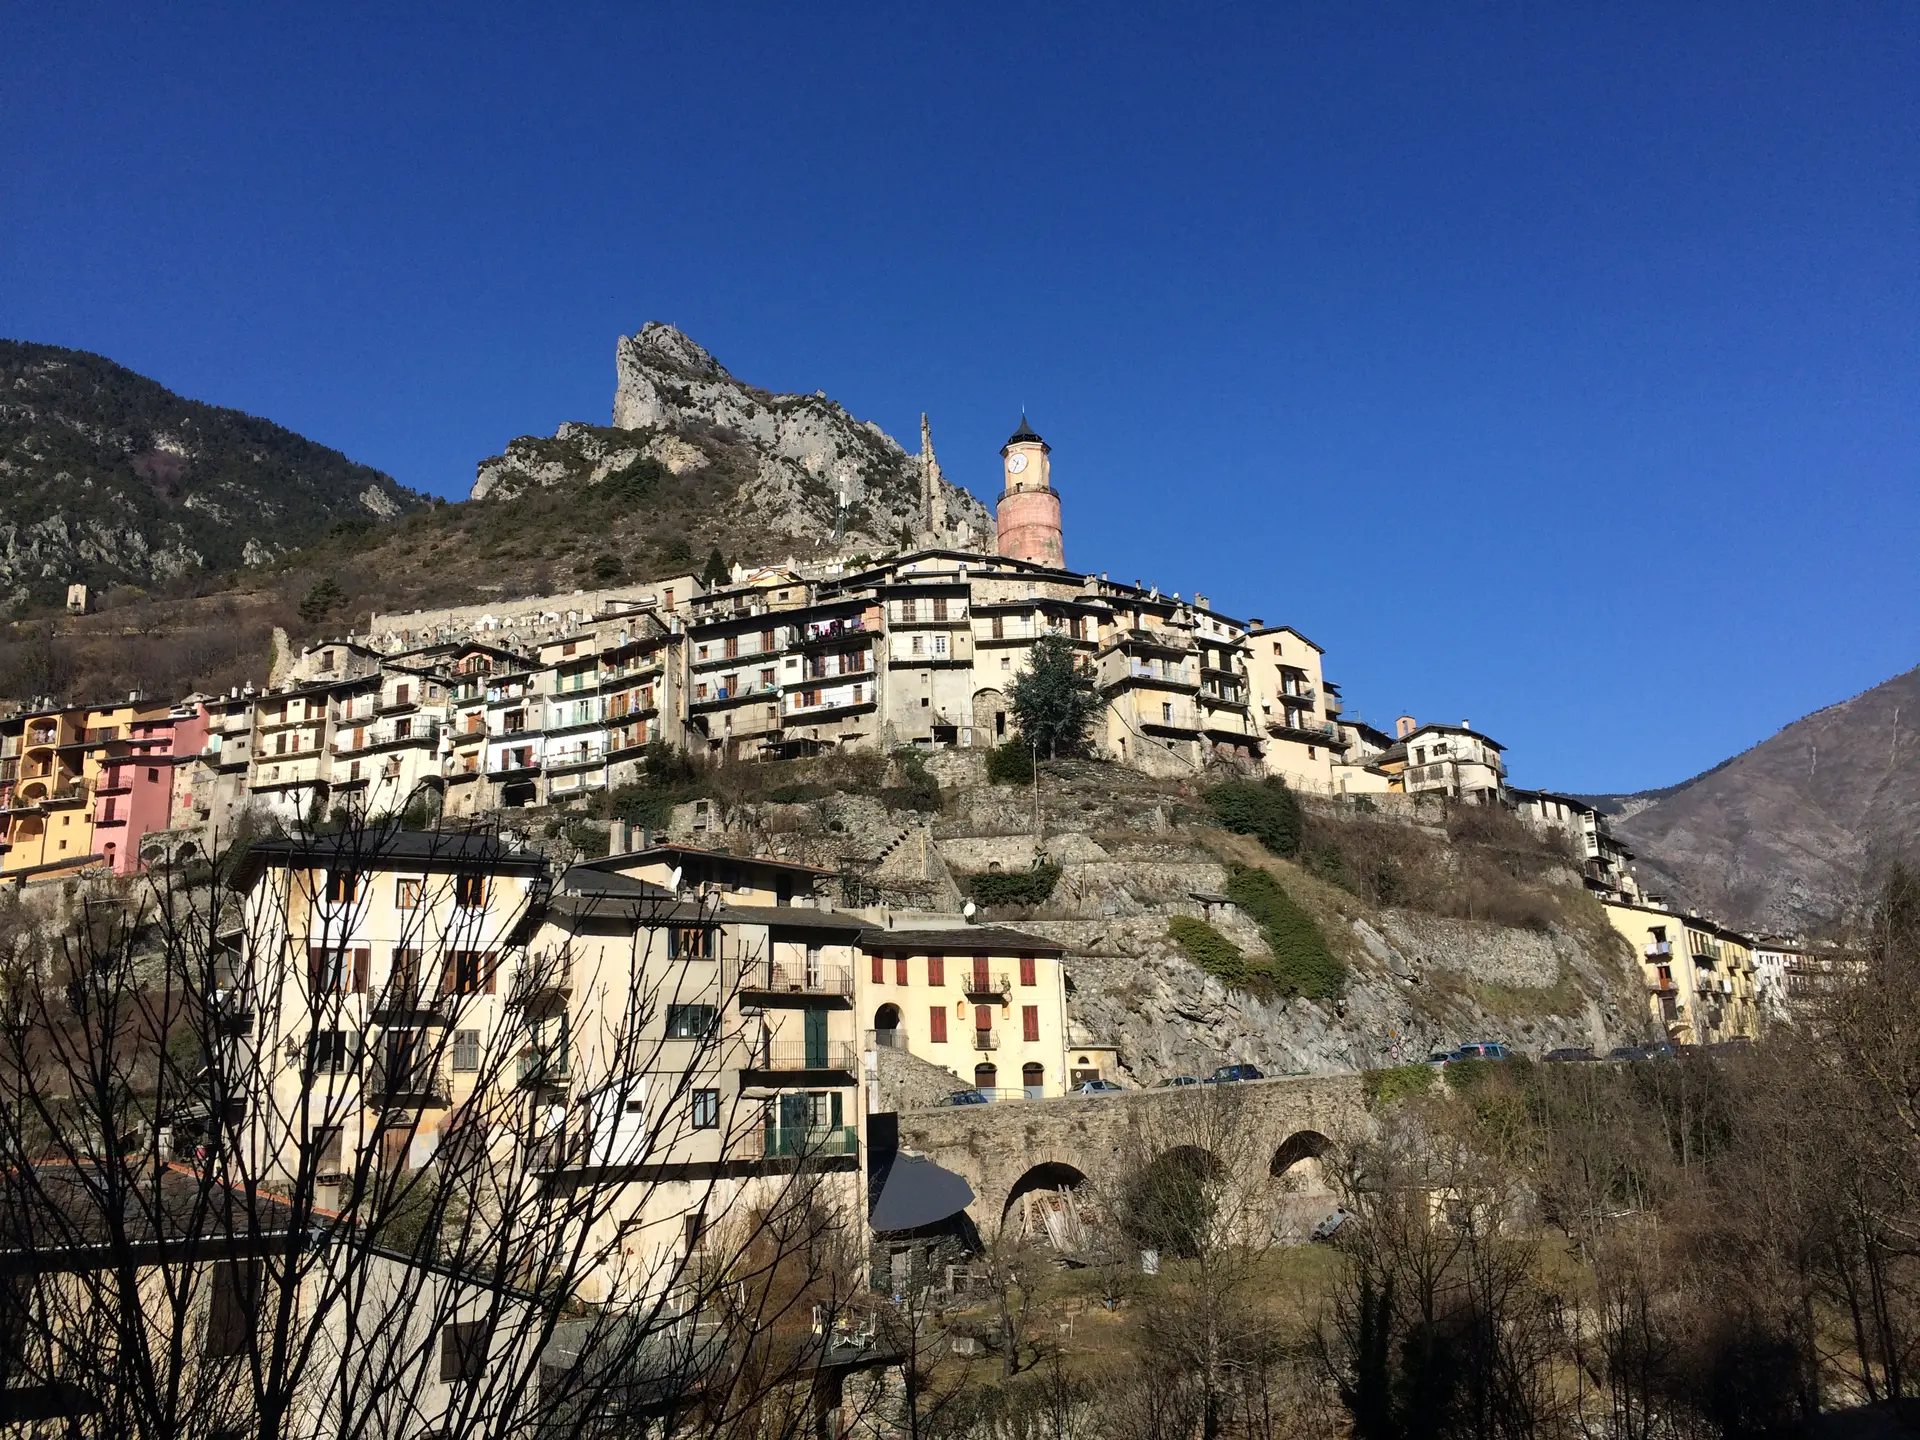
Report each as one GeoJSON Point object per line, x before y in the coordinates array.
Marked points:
{"type": "Point", "coordinates": [1699, 976]}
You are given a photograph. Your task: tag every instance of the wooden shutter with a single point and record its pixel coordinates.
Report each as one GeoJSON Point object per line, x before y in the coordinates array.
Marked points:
{"type": "Point", "coordinates": [980, 977]}
{"type": "Point", "coordinates": [983, 1018]}
{"type": "Point", "coordinates": [937, 1024]}
{"type": "Point", "coordinates": [879, 968]}
{"type": "Point", "coordinates": [492, 963]}
{"type": "Point", "coordinates": [1030, 1022]}
{"type": "Point", "coordinates": [316, 968]}
{"type": "Point", "coordinates": [362, 964]}
{"type": "Point", "coordinates": [446, 972]}
{"type": "Point", "coordinates": [1027, 970]}
{"type": "Point", "coordinates": [900, 969]}
{"type": "Point", "coordinates": [936, 969]}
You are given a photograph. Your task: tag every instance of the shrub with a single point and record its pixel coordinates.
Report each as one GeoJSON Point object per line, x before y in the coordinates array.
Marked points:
{"type": "Point", "coordinates": [1396, 1082]}
{"type": "Point", "coordinates": [1264, 809]}
{"type": "Point", "coordinates": [1016, 888]}
{"type": "Point", "coordinates": [1302, 963]}
{"type": "Point", "coordinates": [1010, 764]}
{"type": "Point", "coordinates": [589, 839]}
{"type": "Point", "coordinates": [1207, 948]}
{"type": "Point", "coordinates": [918, 789]}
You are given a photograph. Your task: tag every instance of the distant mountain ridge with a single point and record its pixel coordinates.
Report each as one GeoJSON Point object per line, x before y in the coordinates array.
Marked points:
{"type": "Point", "coordinates": [1787, 835]}
{"type": "Point", "coordinates": [107, 476]}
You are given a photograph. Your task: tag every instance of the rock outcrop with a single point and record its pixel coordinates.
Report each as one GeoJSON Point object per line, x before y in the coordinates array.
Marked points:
{"type": "Point", "coordinates": [800, 465]}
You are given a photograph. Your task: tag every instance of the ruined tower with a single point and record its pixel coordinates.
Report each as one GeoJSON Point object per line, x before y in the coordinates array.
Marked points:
{"type": "Point", "coordinates": [933, 489]}
{"type": "Point", "coordinates": [1029, 511]}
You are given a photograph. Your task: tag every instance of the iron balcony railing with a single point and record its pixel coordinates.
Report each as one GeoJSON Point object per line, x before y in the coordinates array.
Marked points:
{"type": "Point", "coordinates": [760, 976]}
{"type": "Point", "coordinates": [790, 1055]}
{"type": "Point", "coordinates": [408, 1080]}
{"type": "Point", "coordinates": [894, 1039]}
{"type": "Point", "coordinates": [544, 1066]}
{"type": "Point", "coordinates": [811, 1140]}
{"type": "Point", "coordinates": [404, 1001]}
{"type": "Point", "coordinates": [986, 1040]}
{"type": "Point", "coordinates": [981, 982]}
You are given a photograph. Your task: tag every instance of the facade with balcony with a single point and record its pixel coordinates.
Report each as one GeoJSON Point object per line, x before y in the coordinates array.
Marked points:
{"type": "Point", "coordinates": [1699, 976]}
{"type": "Point", "coordinates": [984, 1002]}
{"type": "Point", "coordinates": [1453, 761]}
{"type": "Point", "coordinates": [1603, 859]}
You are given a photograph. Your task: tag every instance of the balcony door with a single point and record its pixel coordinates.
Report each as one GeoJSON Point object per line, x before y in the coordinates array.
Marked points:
{"type": "Point", "coordinates": [816, 1039]}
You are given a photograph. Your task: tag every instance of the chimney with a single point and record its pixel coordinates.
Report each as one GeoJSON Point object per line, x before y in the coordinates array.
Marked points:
{"type": "Point", "coordinates": [1404, 726]}
{"type": "Point", "coordinates": [1255, 623]}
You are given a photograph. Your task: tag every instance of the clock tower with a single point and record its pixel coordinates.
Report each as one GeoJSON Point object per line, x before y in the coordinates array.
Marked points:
{"type": "Point", "coordinates": [1029, 510]}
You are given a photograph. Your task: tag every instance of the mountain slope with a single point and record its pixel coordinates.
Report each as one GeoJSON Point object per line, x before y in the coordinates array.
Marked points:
{"type": "Point", "coordinates": [107, 476]}
{"type": "Point", "coordinates": [1783, 836]}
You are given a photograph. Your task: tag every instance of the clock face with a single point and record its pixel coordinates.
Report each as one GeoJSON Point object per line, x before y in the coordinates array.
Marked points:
{"type": "Point", "coordinates": [1016, 464]}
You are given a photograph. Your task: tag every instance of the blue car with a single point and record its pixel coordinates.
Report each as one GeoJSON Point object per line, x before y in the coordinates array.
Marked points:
{"type": "Point", "coordinates": [1482, 1050]}
{"type": "Point", "coordinates": [1227, 1074]}
{"type": "Point", "coordinates": [968, 1097]}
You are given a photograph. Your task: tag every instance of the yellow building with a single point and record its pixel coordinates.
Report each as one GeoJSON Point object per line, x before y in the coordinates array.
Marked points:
{"type": "Point", "coordinates": [43, 793]}
{"type": "Point", "coordinates": [985, 1002]}
{"type": "Point", "coordinates": [1294, 707]}
{"type": "Point", "coordinates": [1699, 976]}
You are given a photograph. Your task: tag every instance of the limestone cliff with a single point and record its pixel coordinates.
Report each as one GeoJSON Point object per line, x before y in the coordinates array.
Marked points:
{"type": "Point", "coordinates": [786, 463]}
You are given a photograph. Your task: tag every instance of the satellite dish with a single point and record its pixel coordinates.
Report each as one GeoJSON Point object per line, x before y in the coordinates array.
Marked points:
{"type": "Point", "coordinates": [967, 909]}
{"type": "Point", "coordinates": [673, 879]}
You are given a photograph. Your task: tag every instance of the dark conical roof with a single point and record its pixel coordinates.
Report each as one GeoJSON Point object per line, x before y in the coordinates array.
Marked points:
{"type": "Point", "coordinates": [1025, 434]}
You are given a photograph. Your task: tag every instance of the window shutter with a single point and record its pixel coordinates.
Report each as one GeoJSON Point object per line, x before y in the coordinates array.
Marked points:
{"type": "Point", "coordinates": [936, 969]}
{"type": "Point", "coordinates": [879, 969]}
{"type": "Point", "coordinates": [937, 1026]}
{"type": "Point", "coordinates": [1027, 970]}
{"type": "Point", "coordinates": [362, 961]}
{"type": "Point", "coordinates": [316, 968]}
{"type": "Point", "coordinates": [446, 972]}
{"type": "Point", "coordinates": [1030, 1022]}
{"type": "Point", "coordinates": [983, 1018]}
{"type": "Point", "coordinates": [834, 1105]}
{"type": "Point", "coordinates": [492, 962]}
{"type": "Point", "coordinates": [900, 970]}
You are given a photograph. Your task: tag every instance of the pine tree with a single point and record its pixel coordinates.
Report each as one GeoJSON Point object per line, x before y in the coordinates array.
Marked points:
{"type": "Point", "coordinates": [1054, 700]}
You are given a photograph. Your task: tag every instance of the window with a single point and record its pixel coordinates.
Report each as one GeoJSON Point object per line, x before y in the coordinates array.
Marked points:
{"type": "Point", "coordinates": [327, 1051]}
{"type": "Point", "coordinates": [1028, 967]}
{"type": "Point", "coordinates": [939, 645]}
{"type": "Point", "coordinates": [402, 693]}
{"type": "Point", "coordinates": [999, 627]}
{"type": "Point", "coordinates": [234, 1309]}
{"type": "Point", "coordinates": [733, 647]}
{"type": "Point", "coordinates": [937, 1025]}
{"type": "Point", "coordinates": [470, 892]}
{"type": "Point", "coordinates": [691, 944]}
{"type": "Point", "coordinates": [879, 969]}
{"type": "Point", "coordinates": [463, 1350]}
{"type": "Point", "coordinates": [691, 1022]}
{"type": "Point", "coordinates": [900, 970]}
{"type": "Point", "coordinates": [705, 1110]}
{"type": "Point", "coordinates": [153, 776]}
{"type": "Point", "coordinates": [1166, 713]}
{"type": "Point", "coordinates": [696, 1232]}
{"type": "Point", "coordinates": [327, 1149]}
{"type": "Point", "coordinates": [1030, 1023]}
{"type": "Point", "coordinates": [919, 645]}
{"type": "Point", "coordinates": [936, 969]}
{"type": "Point", "coordinates": [472, 971]}
{"type": "Point", "coordinates": [939, 607]}
{"type": "Point", "coordinates": [406, 892]}
{"type": "Point", "coordinates": [343, 887]}
{"type": "Point", "coordinates": [337, 969]}
{"type": "Point", "coordinates": [466, 1050]}
{"type": "Point", "coordinates": [813, 967]}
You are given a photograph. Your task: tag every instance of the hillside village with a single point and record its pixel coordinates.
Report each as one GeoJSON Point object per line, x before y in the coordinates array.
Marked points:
{"type": "Point", "coordinates": [465, 713]}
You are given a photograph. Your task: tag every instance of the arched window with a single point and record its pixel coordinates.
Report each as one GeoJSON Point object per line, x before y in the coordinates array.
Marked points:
{"type": "Point", "coordinates": [986, 1076]}
{"type": "Point", "coordinates": [1033, 1079]}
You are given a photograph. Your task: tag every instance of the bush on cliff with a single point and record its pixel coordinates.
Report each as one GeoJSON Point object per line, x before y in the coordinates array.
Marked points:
{"type": "Point", "coordinates": [1010, 764]}
{"type": "Point", "coordinates": [1264, 809]}
{"type": "Point", "coordinates": [1028, 887]}
{"type": "Point", "coordinates": [1302, 963]}
{"type": "Point", "coordinates": [1207, 948]}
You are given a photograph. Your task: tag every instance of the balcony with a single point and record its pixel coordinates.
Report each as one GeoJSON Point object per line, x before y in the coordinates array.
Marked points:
{"type": "Point", "coordinates": [410, 1002]}
{"type": "Point", "coordinates": [1304, 695]}
{"type": "Point", "coordinates": [814, 1140]}
{"type": "Point", "coordinates": [767, 982]}
{"type": "Point", "coordinates": [825, 632]}
{"type": "Point", "coordinates": [541, 978]}
{"type": "Point", "coordinates": [894, 1039]}
{"type": "Point", "coordinates": [1659, 947]}
{"type": "Point", "coordinates": [725, 695]}
{"type": "Point", "coordinates": [979, 982]}
{"type": "Point", "coordinates": [543, 1068]}
{"type": "Point", "coordinates": [794, 1057]}
{"type": "Point", "coordinates": [408, 1081]}
{"type": "Point", "coordinates": [986, 1040]}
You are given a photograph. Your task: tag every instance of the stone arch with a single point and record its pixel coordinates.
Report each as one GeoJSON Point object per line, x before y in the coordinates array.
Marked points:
{"type": "Point", "coordinates": [1047, 1175]}
{"type": "Point", "coordinates": [1299, 1146]}
{"type": "Point", "coordinates": [1045, 1204]}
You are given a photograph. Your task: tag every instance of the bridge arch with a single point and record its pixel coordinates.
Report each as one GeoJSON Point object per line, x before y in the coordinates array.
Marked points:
{"type": "Point", "coordinates": [1299, 1146]}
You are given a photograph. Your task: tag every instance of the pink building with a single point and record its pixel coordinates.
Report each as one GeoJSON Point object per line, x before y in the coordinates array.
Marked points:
{"type": "Point", "coordinates": [135, 794]}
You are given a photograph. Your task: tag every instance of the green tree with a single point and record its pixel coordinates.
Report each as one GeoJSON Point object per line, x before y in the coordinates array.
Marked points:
{"type": "Point", "coordinates": [1054, 699]}
{"type": "Point", "coordinates": [1265, 809]}
{"type": "Point", "coordinates": [716, 573]}
{"type": "Point", "coordinates": [321, 600]}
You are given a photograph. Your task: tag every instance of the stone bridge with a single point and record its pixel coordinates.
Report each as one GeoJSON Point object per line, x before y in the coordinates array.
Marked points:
{"type": "Point", "coordinates": [1268, 1135]}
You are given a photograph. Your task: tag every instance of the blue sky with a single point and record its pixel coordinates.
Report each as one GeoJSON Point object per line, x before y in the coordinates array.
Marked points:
{"type": "Point", "coordinates": [1553, 367]}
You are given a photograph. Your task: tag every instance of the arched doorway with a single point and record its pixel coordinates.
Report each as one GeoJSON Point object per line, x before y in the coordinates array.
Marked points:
{"type": "Point", "coordinates": [1033, 1080]}
{"type": "Point", "coordinates": [986, 1076]}
{"type": "Point", "coordinates": [886, 1028]}
{"type": "Point", "coordinates": [1045, 1203]}
{"type": "Point", "coordinates": [991, 718]}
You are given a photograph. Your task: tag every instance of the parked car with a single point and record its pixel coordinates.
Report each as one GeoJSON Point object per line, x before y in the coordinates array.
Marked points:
{"type": "Point", "coordinates": [1327, 1228]}
{"type": "Point", "coordinates": [1570, 1052]}
{"type": "Point", "coordinates": [968, 1097]}
{"type": "Point", "coordinates": [1660, 1050]}
{"type": "Point", "coordinates": [1227, 1074]}
{"type": "Point", "coordinates": [1481, 1050]}
{"type": "Point", "coordinates": [1439, 1057]}
{"type": "Point", "coordinates": [1177, 1081]}
{"type": "Point", "coordinates": [1097, 1087]}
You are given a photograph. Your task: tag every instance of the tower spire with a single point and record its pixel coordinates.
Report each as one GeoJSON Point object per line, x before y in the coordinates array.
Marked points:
{"type": "Point", "coordinates": [933, 497]}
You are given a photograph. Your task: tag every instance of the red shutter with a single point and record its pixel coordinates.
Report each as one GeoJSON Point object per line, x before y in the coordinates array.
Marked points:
{"type": "Point", "coordinates": [1030, 1022]}
{"type": "Point", "coordinates": [899, 969]}
{"type": "Point", "coordinates": [1027, 970]}
{"type": "Point", "coordinates": [983, 1018]}
{"type": "Point", "coordinates": [446, 972]}
{"type": "Point", "coordinates": [361, 963]}
{"type": "Point", "coordinates": [879, 969]}
{"type": "Point", "coordinates": [316, 968]}
{"type": "Point", "coordinates": [937, 1025]}
{"type": "Point", "coordinates": [492, 962]}
{"type": "Point", "coordinates": [936, 969]}
{"type": "Point", "coordinates": [980, 979]}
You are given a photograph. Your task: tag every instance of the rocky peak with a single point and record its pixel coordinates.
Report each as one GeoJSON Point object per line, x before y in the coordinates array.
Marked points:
{"type": "Point", "coordinates": [660, 347]}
